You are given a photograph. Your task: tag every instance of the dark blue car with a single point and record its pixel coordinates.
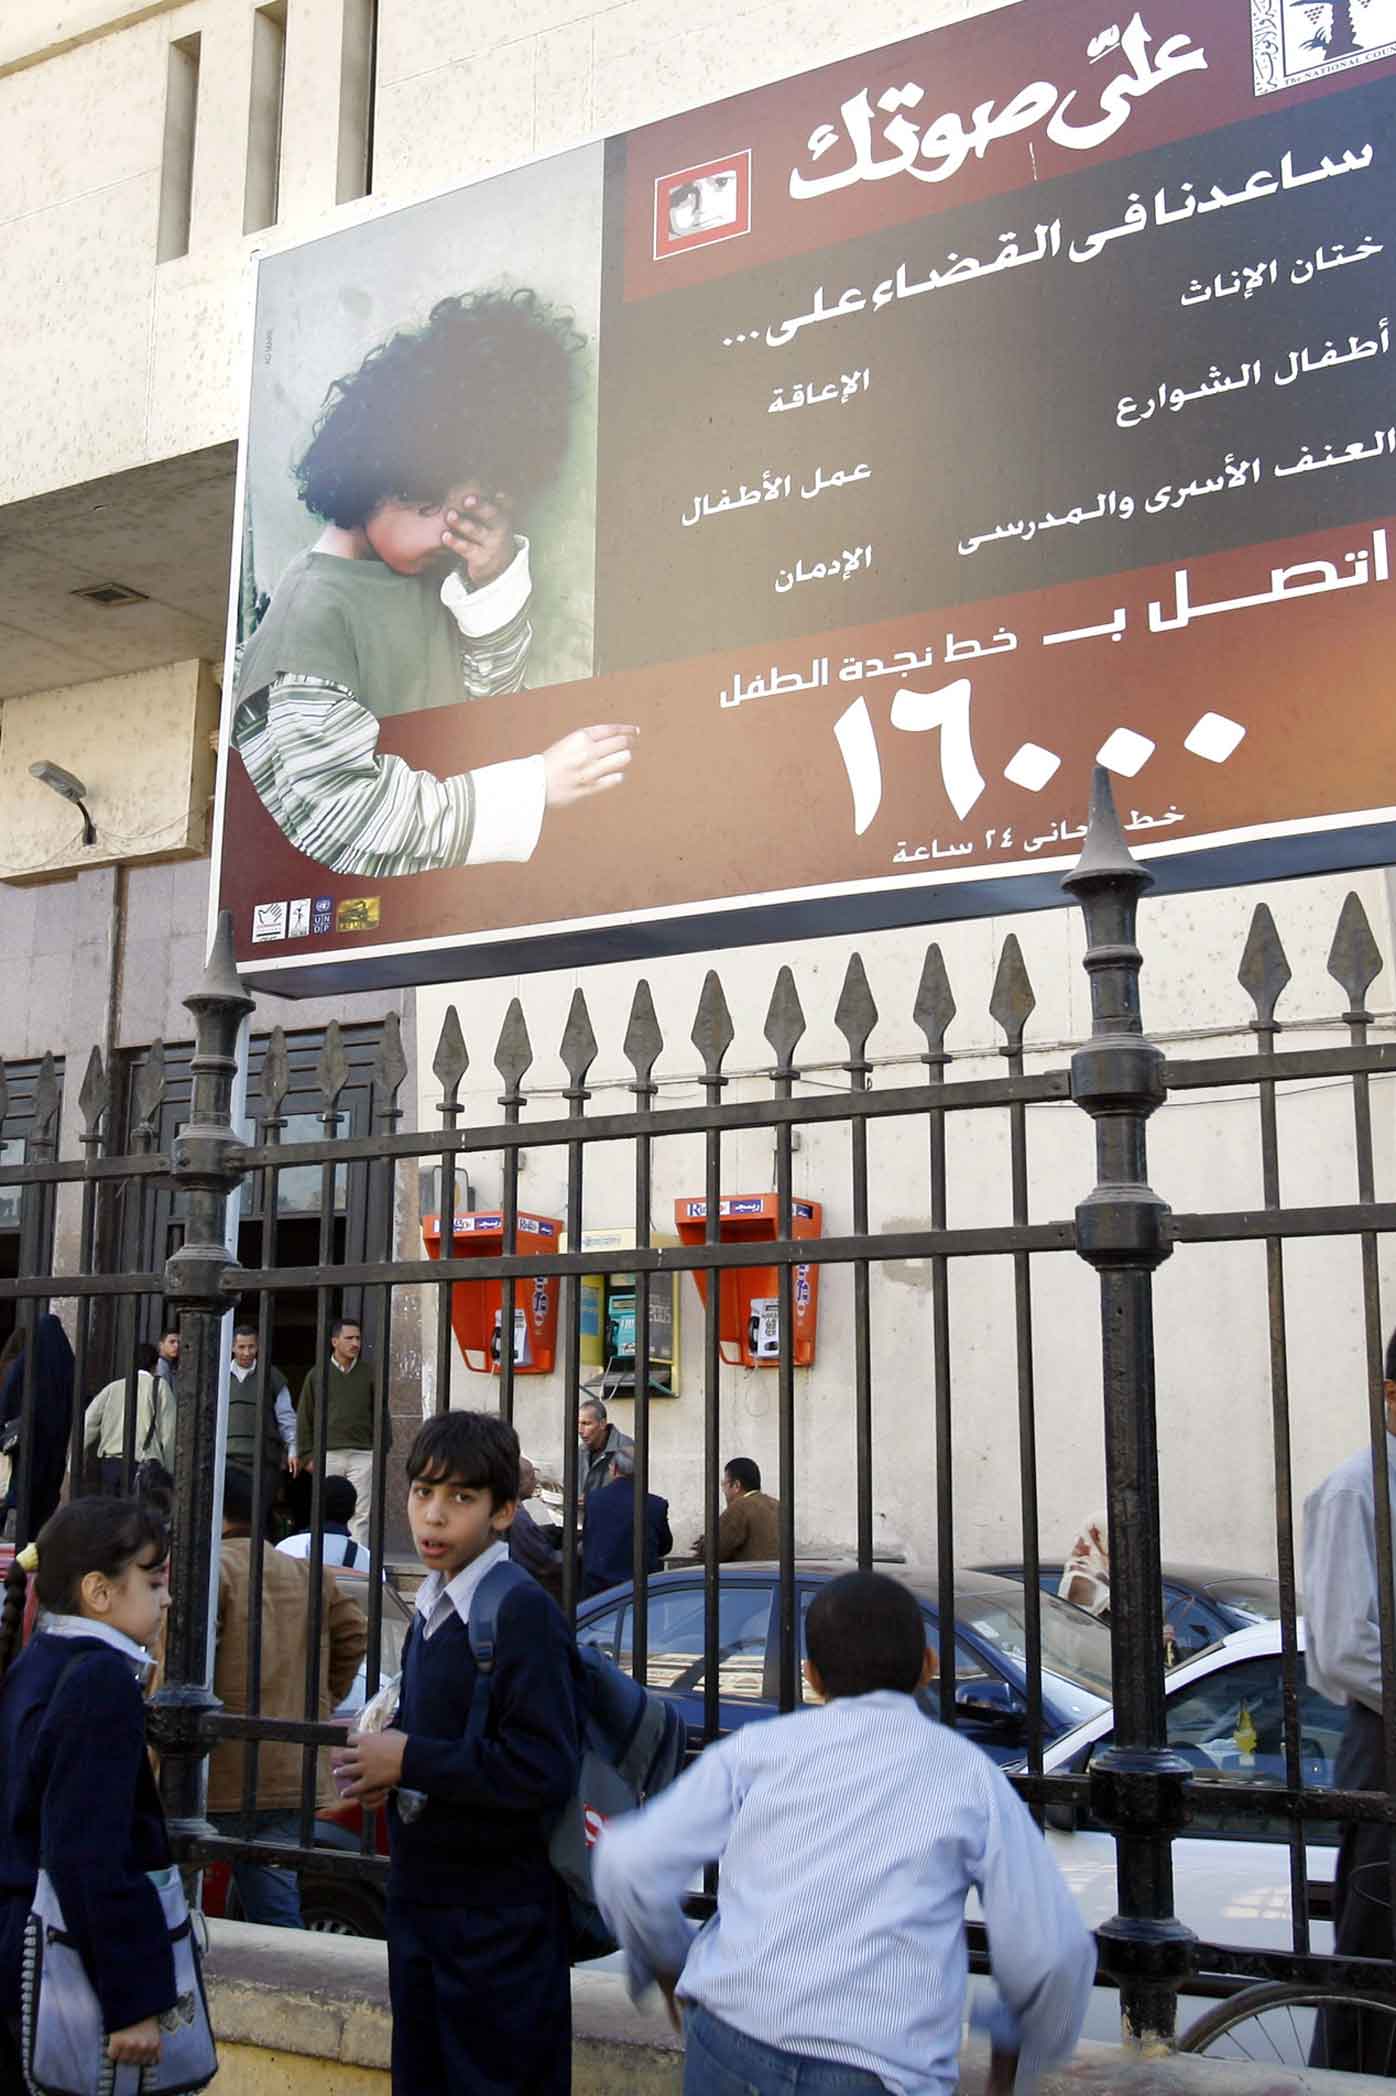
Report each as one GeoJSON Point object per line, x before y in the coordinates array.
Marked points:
{"type": "Point", "coordinates": [990, 1648]}
{"type": "Point", "coordinates": [1201, 1603]}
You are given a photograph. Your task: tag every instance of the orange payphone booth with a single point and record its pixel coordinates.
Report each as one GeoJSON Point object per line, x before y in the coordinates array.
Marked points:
{"type": "Point", "coordinates": [477, 1307]}
{"type": "Point", "coordinates": [748, 1296]}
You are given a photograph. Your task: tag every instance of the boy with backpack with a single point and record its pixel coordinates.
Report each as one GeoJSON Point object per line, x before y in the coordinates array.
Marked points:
{"type": "Point", "coordinates": [849, 1838]}
{"type": "Point", "coordinates": [478, 1923]}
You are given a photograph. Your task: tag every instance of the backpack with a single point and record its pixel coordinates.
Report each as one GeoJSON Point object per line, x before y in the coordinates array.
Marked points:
{"type": "Point", "coordinates": [633, 1745]}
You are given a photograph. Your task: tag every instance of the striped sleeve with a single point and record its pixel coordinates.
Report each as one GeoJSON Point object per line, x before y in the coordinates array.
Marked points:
{"type": "Point", "coordinates": [495, 630]}
{"type": "Point", "coordinates": [311, 750]}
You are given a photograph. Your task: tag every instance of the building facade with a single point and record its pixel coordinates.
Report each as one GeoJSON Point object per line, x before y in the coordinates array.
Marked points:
{"type": "Point", "coordinates": [151, 151]}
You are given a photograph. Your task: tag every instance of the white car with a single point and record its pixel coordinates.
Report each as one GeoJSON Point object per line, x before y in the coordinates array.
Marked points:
{"type": "Point", "coordinates": [1231, 1873]}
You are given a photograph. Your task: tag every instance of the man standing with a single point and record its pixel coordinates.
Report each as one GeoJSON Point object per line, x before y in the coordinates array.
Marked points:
{"type": "Point", "coordinates": [272, 1442]}
{"type": "Point", "coordinates": [750, 1526]}
{"type": "Point", "coordinates": [601, 1443]}
{"type": "Point", "coordinates": [608, 1549]}
{"type": "Point", "coordinates": [268, 1893]}
{"type": "Point", "coordinates": [104, 1428]}
{"type": "Point", "coordinates": [352, 1408]}
{"type": "Point", "coordinates": [1343, 1662]}
{"type": "Point", "coordinates": [167, 1354]}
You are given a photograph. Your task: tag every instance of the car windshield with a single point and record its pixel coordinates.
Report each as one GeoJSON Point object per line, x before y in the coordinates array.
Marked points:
{"type": "Point", "coordinates": [1075, 1648]}
{"type": "Point", "coordinates": [1258, 1600]}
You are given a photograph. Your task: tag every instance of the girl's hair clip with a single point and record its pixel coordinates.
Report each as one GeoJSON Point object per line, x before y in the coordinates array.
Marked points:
{"type": "Point", "coordinates": [28, 1558]}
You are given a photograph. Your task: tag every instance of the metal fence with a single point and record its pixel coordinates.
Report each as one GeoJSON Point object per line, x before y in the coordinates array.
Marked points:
{"type": "Point", "coordinates": [1139, 1788]}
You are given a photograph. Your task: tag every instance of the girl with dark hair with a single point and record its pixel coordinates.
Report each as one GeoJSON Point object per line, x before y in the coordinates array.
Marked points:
{"type": "Point", "coordinates": [79, 1794]}
{"type": "Point", "coordinates": [415, 595]}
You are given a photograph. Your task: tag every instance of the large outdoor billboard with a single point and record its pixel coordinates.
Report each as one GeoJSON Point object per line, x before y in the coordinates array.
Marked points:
{"type": "Point", "coordinates": [758, 524]}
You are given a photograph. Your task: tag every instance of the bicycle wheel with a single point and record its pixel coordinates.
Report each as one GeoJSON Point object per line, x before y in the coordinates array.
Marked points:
{"type": "Point", "coordinates": [1273, 2025]}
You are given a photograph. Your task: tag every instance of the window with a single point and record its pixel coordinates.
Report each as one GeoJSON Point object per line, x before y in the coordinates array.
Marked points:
{"type": "Point", "coordinates": [177, 159]}
{"type": "Point", "coordinates": [1230, 1726]}
{"type": "Point", "coordinates": [11, 1152]}
{"type": "Point", "coordinates": [358, 50]}
{"type": "Point", "coordinates": [676, 1639]}
{"type": "Point", "coordinates": [262, 183]}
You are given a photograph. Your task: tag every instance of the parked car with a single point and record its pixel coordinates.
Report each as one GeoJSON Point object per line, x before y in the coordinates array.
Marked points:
{"type": "Point", "coordinates": [331, 1902]}
{"type": "Point", "coordinates": [1201, 1603]}
{"type": "Point", "coordinates": [1231, 1872]}
{"type": "Point", "coordinates": [990, 1647]}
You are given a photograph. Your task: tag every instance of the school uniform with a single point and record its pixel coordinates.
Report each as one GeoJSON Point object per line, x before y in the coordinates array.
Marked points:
{"type": "Point", "coordinates": [73, 1758]}
{"type": "Point", "coordinates": [477, 1919]}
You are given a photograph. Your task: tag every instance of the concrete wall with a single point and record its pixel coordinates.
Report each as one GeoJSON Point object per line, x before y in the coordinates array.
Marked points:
{"type": "Point", "coordinates": [1218, 1502]}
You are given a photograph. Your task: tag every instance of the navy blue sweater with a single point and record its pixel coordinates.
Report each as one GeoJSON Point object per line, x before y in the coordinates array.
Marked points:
{"type": "Point", "coordinates": [607, 1548]}
{"type": "Point", "coordinates": [79, 1791]}
{"type": "Point", "coordinates": [482, 1838]}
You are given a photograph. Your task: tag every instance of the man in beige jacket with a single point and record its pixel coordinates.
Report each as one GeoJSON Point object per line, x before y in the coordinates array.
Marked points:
{"type": "Point", "coordinates": [268, 1894]}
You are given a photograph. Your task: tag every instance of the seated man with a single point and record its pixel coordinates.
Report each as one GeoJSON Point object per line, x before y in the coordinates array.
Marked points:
{"type": "Point", "coordinates": [608, 1551]}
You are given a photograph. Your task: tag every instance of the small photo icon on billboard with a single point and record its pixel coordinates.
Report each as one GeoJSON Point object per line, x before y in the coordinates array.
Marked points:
{"type": "Point", "coordinates": [695, 206]}
{"type": "Point", "coordinates": [359, 914]}
{"type": "Point", "coordinates": [298, 918]}
{"type": "Point", "coordinates": [268, 922]}
{"type": "Point", "coordinates": [322, 916]}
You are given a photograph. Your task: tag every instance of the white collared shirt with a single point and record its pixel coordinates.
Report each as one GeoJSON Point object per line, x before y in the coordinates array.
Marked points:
{"type": "Point", "coordinates": [437, 1597]}
{"type": "Point", "coordinates": [88, 1627]}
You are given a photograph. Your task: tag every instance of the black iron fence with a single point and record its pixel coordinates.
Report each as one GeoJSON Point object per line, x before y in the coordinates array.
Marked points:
{"type": "Point", "coordinates": [1139, 1787]}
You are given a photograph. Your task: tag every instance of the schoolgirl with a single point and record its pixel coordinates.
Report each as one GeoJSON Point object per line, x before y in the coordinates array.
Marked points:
{"type": "Point", "coordinates": [79, 1794]}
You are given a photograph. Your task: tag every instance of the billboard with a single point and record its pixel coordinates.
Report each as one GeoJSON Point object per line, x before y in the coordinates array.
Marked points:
{"type": "Point", "coordinates": [758, 524]}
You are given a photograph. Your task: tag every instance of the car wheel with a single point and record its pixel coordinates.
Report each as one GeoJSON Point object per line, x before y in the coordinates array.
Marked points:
{"type": "Point", "coordinates": [338, 1907]}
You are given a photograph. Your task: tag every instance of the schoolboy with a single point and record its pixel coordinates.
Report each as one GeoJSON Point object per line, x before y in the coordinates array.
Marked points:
{"type": "Point", "coordinates": [849, 1838]}
{"type": "Point", "coordinates": [477, 1920]}
{"type": "Point", "coordinates": [416, 595]}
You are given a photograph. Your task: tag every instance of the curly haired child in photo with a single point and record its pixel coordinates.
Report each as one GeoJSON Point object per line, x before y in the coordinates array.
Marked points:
{"type": "Point", "coordinates": [416, 595]}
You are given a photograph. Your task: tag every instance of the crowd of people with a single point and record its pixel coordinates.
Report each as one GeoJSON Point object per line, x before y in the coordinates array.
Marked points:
{"type": "Point", "coordinates": [849, 1835]}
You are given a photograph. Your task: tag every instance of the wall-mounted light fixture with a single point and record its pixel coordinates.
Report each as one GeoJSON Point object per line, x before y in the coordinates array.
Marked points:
{"type": "Point", "coordinates": [69, 788]}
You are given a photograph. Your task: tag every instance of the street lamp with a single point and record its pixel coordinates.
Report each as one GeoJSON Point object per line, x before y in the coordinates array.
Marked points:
{"type": "Point", "coordinates": [69, 788]}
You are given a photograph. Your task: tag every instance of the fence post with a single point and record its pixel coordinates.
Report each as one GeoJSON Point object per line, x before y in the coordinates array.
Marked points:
{"type": "Point", "coordinates": [206, 1166]}
{"type": "Point", "coordinates": [1122, 1231]}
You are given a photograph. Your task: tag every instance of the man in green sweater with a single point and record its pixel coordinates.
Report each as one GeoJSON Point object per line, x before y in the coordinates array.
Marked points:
{"type": "Point", "coordinates": [351, 1409]}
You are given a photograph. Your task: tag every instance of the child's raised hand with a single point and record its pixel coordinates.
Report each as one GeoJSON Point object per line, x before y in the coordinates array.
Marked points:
{"type": "Point", "coordinates": [588, 761]}
{"type": "Point", "coordinates": [136, 2046]}
{"type": "Point", "coordinates": [481, 535]}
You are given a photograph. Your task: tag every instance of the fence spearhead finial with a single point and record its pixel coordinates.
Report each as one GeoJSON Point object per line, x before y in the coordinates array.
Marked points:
{"type": "Point", "coordinates": [1012, 1002]}
{"type": "Point", "coordinates": [276, 1075]}
{"type": "Point", "coordinates": [513, 1055]}
{"type": "Point", "coordinates": [1105, 854]}
{"type": "Point", "coordinates": [220, 982]}
{"type": "Point", "coordinates": [1354, 959]}
{"type": "Point", "coordinates": [713, 1031]}
{"type": "Point", "coordinates": [46, 1099]}
{"type": "Point", "coordinates": [452, 1059]}
{"type": "Point", "coordinates": [855, 1014]}
{"type": "Point", "coordinates": [578, 1049]}
{"type": "Point", "coordinates": [93, 1099]}
{"type": "Point", "coordinates": [785, 1020]}
{"type": "Point", "coordinates": [935, 1002]}
{"type": "Point", "coordinates": [1264, 972]}
{"type": "Point", "coordinates": [643, 1040]}
{"type": "Point", "coordinates": [332, 1069]}
{"type": "Point", "coordinates": [148, 1087]}
{"type": "Point", "coordinates": [389, 1064]}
